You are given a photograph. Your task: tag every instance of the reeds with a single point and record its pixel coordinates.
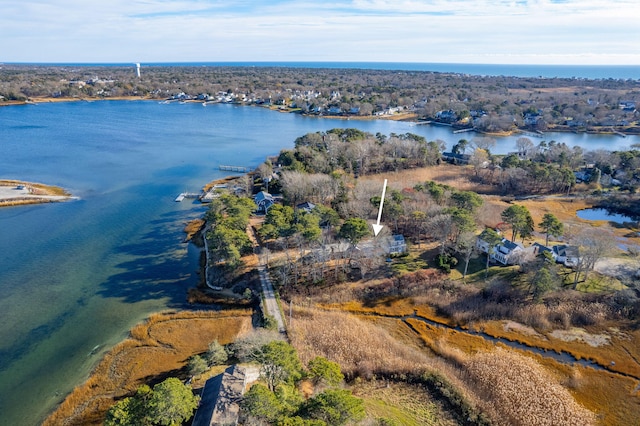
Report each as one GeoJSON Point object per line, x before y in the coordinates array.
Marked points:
{"type": "Point", "coordinates": [361, 349]}
{"type": "Point", "coordinates": [522, 391]}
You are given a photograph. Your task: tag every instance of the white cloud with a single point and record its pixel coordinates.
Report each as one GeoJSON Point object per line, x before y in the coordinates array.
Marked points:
{"type": "Point", "coordinates": [542, 31]}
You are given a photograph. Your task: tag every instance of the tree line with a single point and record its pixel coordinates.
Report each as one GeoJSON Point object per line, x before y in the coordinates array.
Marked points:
{"type": "Point", "coordinates": [496, 103]}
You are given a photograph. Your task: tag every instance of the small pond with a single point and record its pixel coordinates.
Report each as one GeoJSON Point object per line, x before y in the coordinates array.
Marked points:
{"type": "Point", "coordinates": [603, 214]}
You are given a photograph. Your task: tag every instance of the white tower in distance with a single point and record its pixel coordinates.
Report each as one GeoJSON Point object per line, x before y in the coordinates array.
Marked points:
{"type": "Point", "coordinates": [138, 70]}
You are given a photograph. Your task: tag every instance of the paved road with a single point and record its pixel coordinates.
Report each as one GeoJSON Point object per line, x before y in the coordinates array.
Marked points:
{"type": "Point", "coordinates": [268, 293]}
{"type": "Point", "coordinates": [270, 302]}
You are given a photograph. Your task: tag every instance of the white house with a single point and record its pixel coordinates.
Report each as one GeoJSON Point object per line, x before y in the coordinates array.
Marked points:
{"type": "Point", "coordinates": [502, 252]}
{"type": "Point", "coordinates": [567, 255]}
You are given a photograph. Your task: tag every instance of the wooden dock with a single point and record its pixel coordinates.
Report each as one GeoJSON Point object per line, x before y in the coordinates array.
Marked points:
{"type": "Point", "coordinates": [470, 129]}
{"type": "Point", "coordinates": [239, 169]}
{"type": "Point", "coordinates": [184, 195]}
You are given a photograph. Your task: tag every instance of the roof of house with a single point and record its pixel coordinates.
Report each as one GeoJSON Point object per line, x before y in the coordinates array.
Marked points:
{"type": "Point", "coordinates": [306, 206]}
{"type": "Point", "coordinates": [510, 245]}
{"type": "Point", "coordinates": [263, 195]}
{"type": "Point", "coordinates": [541, 247]}
{"type": "Point", "coordinates": [220, 396]}
{"type": "Point", "coordinates": [567, 251]}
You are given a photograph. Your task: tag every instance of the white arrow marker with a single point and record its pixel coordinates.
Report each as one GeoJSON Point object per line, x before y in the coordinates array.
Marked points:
{"type": "Point", "coordinates": [377, 227]}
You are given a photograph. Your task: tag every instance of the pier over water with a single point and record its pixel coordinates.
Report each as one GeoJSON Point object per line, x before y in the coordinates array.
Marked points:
{"type": "Point", "coordinates": [239, 169]}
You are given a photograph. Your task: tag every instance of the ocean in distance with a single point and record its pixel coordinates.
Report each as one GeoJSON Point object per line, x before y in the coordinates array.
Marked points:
{"type": "Point", "coordinates": [76, 276]}
{"type": "Point", "coordinates": [595, 72]}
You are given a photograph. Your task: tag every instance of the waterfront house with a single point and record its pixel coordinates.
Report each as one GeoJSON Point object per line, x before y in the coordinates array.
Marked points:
{"type": "Point", "coordinates": [263, 201]}
{"type": "Point", "coordinates": [447, 116]}
{"type": "Point", "coordinates": [454, 158]}
{"type": "Point", "coordinates": [306, 206]}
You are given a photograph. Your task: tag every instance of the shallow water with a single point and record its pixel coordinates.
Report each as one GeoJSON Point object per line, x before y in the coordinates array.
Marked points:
{"type": "Point", "coordinates": [78, 275]}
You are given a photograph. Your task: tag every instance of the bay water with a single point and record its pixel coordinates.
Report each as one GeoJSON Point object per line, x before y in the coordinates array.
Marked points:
{"type": "Point", "coordinates": [76, 276]}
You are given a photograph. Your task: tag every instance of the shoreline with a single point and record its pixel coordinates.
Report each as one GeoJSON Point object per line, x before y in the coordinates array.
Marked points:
{"type": "Point", "coordinates": [408, 117]}
{"type": "Point", "coordinates": [20, 193]}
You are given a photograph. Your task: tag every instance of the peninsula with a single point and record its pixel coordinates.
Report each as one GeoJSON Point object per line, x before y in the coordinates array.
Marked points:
{"type": "Point", "coordinates": [16, 192]}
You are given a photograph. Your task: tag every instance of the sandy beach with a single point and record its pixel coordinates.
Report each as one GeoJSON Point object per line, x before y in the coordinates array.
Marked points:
{"type": "Point", "coordinates": [16, 192]}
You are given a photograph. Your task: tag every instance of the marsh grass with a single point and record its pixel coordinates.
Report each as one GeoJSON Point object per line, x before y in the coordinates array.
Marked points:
{"type": "Point", "coordinates": [366, 351]}
{"type": "Point", "coordinates": [156, 349]}
{"type": "Point", "coordinates": [193, 228]}
{"type": "Point", "coordinates": [523, 391]}
{"type": "Point", "coordinates": [344, 339]}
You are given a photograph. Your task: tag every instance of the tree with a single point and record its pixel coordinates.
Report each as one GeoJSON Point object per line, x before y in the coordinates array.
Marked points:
{"type": "Point", "coordinates": [216, 354]}
{"type": "Point", "coordinates": [171, 403]}
{"type": "Point", "coordinates": [336, 407]}
{"type": "Point", "coordinates": [130, 411]}
{"type": "Point", "coordinates": [467, 200]}
{"type": "Point", "coordinates": [197, 365]}
{"type": "Point", "coordinates": [466, 246]}
{"type": "Point", "coordinates": [460, 147]}
{"type": "Point", "coordinates": [279, 363]}
{"type": "Point", "coordinates": [542, 282]}
{"type": "Point", "coordinates": [551, 226]}
{"type": "Point", "coordinates": [321, 370]}
{"type": "Point", "coordinates": [353, 230]}
{"type": "Point", "coordinates": [479, 160]}
{"type": "Point", "coordinates": [309, 226]}
{"type": "Point", "coordinates": [520, 220]}
{"type": "Point", "coordinates": [261, 403]}
{"type": "Point", "coordinates": [492, 238]}
{"type": "Point", "coordinates": [525, 146]}
{"type": "Point", "coordinates": [462, 220]}
{"type": "Point", "coordinates": [593, 244]}
{"type": "Point", "coordinates": [484, 143]}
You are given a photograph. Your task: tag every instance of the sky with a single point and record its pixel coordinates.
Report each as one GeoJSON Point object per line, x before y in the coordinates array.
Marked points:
{"type": "Point", "coordinates": [569, 32]}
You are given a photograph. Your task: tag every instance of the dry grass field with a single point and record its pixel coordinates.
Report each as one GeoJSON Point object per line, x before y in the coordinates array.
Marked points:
{"type": "Point", "coordinates": [156, 349]}
{"type": "Point", "coordinates": [611, 396]}
{"type": "Point", "coordinates": [509, 387]}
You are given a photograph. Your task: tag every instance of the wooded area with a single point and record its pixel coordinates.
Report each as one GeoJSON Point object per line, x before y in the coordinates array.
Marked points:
{"type": "Point", "coordinates": [486, 103]}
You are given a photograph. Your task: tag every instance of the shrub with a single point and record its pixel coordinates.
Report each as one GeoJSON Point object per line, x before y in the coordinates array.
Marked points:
{"type": "Point", "coordinates": [445, 262]}
{"type": "Point", "coordinates": [321, 370]}
{"type": "Point", "coordinates": [335, 407]}
{"type": "Point", "coordinates": [197, 365]}
{"type": "Point", "coordinates": [216, 354]}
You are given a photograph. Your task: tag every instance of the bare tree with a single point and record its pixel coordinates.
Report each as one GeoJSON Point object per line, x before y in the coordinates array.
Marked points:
{"type": "Point", "coordinates": [525, 147]}
{"type": "Point", "coordinates": [479, 160]}
{"type": "Point", "coordinates": [593, 244]}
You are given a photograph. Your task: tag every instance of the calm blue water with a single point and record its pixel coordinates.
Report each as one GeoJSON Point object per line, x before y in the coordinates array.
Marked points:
{"type": "Point", "coordinates": [78, 275]}
{"type": "Point", "coordinates": [603, 214]}
{"type": "Point", "coordinates": [546, 71]}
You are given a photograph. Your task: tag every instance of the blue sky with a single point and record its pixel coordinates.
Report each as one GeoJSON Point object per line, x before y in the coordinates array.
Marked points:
{"type": "Point", "coordinates": [598, 32]}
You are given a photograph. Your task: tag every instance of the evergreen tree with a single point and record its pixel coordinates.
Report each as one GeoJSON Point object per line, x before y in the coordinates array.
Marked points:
{"type": "Point", "coordinates": [551, 226]}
